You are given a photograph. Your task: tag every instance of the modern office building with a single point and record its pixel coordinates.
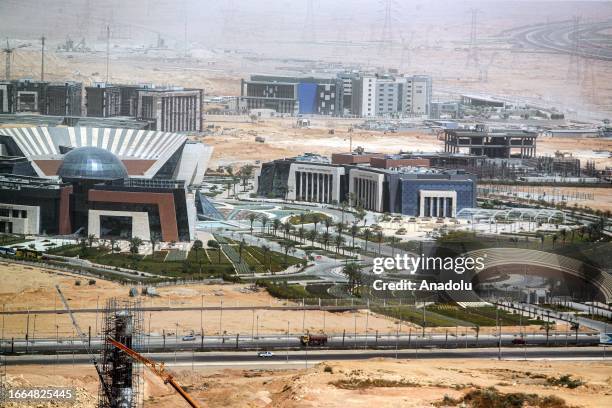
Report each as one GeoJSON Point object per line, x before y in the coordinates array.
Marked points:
{"type": "Point", "coordinates": [103, 100]}
{"type": "Point", "coordinates": [494, 143]}
{"type": "Point", "coordinates": [145, 154]}
{"type": "Point", "coordinates": [292, 95]}
{"type": "Point", "coordinates": [90, 190]}
{"type": "Point", "coordinates": [415, 191]}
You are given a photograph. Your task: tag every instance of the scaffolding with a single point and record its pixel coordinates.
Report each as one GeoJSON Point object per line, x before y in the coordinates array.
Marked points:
{"type": "Point", "coordinates": [120, 374]}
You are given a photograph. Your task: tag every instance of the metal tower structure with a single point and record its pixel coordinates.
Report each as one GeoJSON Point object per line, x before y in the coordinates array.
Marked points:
{"type": "Point", "coordinates": [120, 374]}
{"type": "Point", "coordinates": [574, 70]}
{"type": "Point", "coordinates": [309, 33]}
{"type": "Point", "coordinates": [8, 56]}
{"type": "Point", "coordinates": [472, 58]}
{"type": "Point", "coordinates": [42, 58]}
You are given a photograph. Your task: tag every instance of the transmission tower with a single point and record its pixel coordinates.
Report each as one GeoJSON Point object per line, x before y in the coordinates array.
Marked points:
{"type": "Point", "coordinates": [472, 58]}
{"type": "Point", "coordinates": [386, 37]}
{"type": "Point", "coordinates": [309, 32]}
{"type": "Point", "coordinates": [405, 56]}
{"type": "Point", "coordinates": [574, 70]}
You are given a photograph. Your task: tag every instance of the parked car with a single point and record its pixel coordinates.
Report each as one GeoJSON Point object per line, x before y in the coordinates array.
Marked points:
{"type": "Point", "coordinates": [189, 337]}
{"type": "Point", "coordinates": [518, 341]}
{"type": "Point", "coordinates": [265, 354]}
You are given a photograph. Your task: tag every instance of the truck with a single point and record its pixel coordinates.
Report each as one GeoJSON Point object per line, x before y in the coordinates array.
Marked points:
{"type": "Point", "coordinates": [313, 339]}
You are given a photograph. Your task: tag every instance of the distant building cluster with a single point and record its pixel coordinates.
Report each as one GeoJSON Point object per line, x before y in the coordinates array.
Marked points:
{"type": "Point", "coordinates": [401, 184]}
{"type": "Point", "coordinates": [166, 109]}
{"type": "Point", "coordinates": [357, 94]}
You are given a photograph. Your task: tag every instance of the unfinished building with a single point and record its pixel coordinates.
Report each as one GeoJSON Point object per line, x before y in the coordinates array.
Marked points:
{"type": "Point", "coordinates": [499, 143]}
{"type": "Point", "coordinates": [172, 109]}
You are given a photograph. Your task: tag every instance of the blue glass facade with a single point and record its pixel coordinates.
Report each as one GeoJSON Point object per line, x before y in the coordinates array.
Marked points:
{"type": "Point", "coordinates": [409, 193]}
{"type": "Point", "coordinates": [307, 97]}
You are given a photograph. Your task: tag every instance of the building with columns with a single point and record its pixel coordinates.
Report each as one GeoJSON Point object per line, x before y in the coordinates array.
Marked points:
{"type": "Point", "coordinates": [413, 191]}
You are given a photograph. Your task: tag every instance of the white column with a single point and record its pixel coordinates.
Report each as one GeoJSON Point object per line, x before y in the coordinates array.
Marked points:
{"type": "Point", "coordinates": [444, 208]}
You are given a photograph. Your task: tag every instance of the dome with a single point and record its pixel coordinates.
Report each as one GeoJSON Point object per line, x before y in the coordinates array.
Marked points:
{"type": "Point", "coordinates": [92, 163]}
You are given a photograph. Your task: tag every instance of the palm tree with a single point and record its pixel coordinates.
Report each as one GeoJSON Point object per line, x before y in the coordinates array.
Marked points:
{"type": "Point", "coordinates": [264, 220]}
{"type": "Point", "coordinates": [197, 247]}
{"type": "Point", "coordinates": [554, 239]}
{"type": "Point", "coordinates": [379, 237]}
{"type": "Point", "coordinates": [287, 246]}
{"type": "Point", "coordinates": [354, 231]}
{"type": "Point", "coordinates": [302, 218]}
{"type": "Point", "coordinates": [154, 239]}
{"type": "Point", "coordinates": [135, 244]}
{"type": "Point", "coordinates": [316, 218]}
{"type": "Point", "coordinates": [301, 233]}
{"type": "Point", "coordinates": [352, 271]}
{"type": "Point", "coordinates": [328, 223]}
{"type": "Point", "coordinates": [91, 238]}
{"type": "Point", "coordinates": [241, 246]}
{"type": "Point", "coordinates": [215, 245]}
{"type": "Point", "coordinates": [252, 218]}
{"type": "Point", "coordinates": [266, 252]}
{"type": "Point", "coordinates": [112, 244]}
{"type": "Point", "coordinates": [338, 240]}
{"type": "Point", "coordinates": [245, 174]}
{"type": "Point", "coordinates": [339, 228]}
{"type": "Point", "coordinates": [325, 239]}
{"type": "Point", "coordinates": [287, 228]}
{"type": "Point", "coordinates": [312, 235]}
{"type": "Point", "coordinates": [366, 235]}
{"type": "Point", "coordinates": [276, 224]}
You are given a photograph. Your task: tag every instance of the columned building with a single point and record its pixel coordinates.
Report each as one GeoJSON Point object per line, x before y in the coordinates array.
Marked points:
{"type": "Point", "coordinates": [441, 204]}
{"type": "Point", "coordinates": [314, 182]}
{"type": "Point", "coordinates": [366, 189]}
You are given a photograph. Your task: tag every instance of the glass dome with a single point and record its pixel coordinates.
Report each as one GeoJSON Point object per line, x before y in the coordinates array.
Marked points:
{"type": "Point", "coordinates": [92, 163]}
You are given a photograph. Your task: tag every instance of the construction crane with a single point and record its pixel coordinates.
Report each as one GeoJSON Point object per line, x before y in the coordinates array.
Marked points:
{"type": "Point", "coordinates": [84, 340]}
{"type": "Point", "coordinates": [157, 368]}
{"type": "Point", "coordinates": [8, 51]}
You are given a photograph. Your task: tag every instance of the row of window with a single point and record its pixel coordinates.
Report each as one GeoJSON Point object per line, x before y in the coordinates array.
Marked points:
{"type": "Point", "coordinates": [7, 212]}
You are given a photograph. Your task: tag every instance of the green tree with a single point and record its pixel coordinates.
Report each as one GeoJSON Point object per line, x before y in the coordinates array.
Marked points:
{"type": "Point", "coordinates": [287, 246]}
{"type": "Point", "coordinates": [366, 236]}
{"type": "Point", "coordinates": [301, 233]}
{"type": "Point", "coordinates": [252, 217]}
{"type": "Point", "coordinates": [328, 223]}
{"type": "Point", "coordinates": [135, 244]}
{"type": "Point", "coordinates": [287, 228]}
{"type": "Point", "coordinates": [338, 240]}
{"type": "Point", "coordinates": [354, 230]}
{"type": "Point", "coordinates": [266, 252]}
{"type": "Point", "coordinates": [352, 271]}
{"type": "Point", "coordinates": [264, 221]}
{"type": "Point", "coordinates": [154, 239]}
{"type": "Point", "coordinates": [197, 247]}
{"type": "Point", "coordinates": [325, 238]}
{"type": "Point", "coordinates": [379, 238]}
{"type": "Point", "coordinates": [241, 246]}
{"type": "Point", "coordinates": [91, 238]}
{"type": "Point", "coordinates": [316, 218]}
{"type": "Point", "coordinates": [215, 245]}
{"type": "Point", "coordinates": [276, 224]}
{"type": "Point", "coordinates": [312, 236]}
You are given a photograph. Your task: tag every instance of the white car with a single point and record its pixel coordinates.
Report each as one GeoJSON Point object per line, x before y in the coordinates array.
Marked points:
{"type": "Point", "coordinates": [265, 354]}
{"type": "Point", "coordinates": [189, 338]}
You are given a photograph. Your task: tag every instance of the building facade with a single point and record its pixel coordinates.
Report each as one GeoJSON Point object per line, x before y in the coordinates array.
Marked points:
{"type": "Point", "coordinates": [413, 191]}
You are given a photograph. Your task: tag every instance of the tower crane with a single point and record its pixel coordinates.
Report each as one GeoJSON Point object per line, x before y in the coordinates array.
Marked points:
{"type": "Point", "coordinates": [8, 54]}
{"type": "Point", "coordinates": [157, 368]}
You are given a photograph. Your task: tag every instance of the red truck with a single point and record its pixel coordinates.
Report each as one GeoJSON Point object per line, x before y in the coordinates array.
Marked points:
{"type": "Point", "coordinates": [313, 340]}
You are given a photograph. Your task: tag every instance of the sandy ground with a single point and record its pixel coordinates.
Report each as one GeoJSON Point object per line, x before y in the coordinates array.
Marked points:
{"type": "Point", "coordinates": [423, 383]}
{"type": "Point", "coordinates": [601, 198]}
{"type": "Point", "coordinates": [27, 288]}
{"type": "Point", "coordinates": [234, 141]}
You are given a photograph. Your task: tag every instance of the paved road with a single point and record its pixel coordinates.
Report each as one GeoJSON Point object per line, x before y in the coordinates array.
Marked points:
{"type": "Point", "coordinates": [315, 356]}
{"type": "Point", "coordinates": [336, 341]}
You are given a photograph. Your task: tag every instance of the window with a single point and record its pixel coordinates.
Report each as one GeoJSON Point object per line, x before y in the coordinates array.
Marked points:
{"type": "Point", "coordinates": [5, 212]}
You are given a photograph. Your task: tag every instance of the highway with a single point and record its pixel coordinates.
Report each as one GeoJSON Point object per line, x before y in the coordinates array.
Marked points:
{"type": "Point", "coordinates": [340, 341]}
{"type": "Point", "coordinates": [313, 356]}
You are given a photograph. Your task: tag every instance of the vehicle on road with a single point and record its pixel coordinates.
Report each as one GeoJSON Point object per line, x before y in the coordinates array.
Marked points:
{"type": "Point", "coordinates": [605, 338]}
{"type": "Point", "coordinates": [189, 337]}
{"type": "Point", "coordinates": [313, 339]}
{"type": "Point", "coordinates": [518, 341]}
{"type": "Point", "coordinates": [265, 354]}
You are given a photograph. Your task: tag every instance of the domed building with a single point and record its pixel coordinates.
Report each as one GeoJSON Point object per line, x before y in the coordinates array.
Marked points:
{"type": "Point", "coordinates": [91, 163]}
{"type": "Point", "coordinates": [112, 183]}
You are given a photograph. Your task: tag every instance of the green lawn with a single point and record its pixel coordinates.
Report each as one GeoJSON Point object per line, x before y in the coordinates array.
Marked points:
{"type": "Point", "coordinates": [481, 316]}
{"type": "Point", "coordinates": [185, 269]}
